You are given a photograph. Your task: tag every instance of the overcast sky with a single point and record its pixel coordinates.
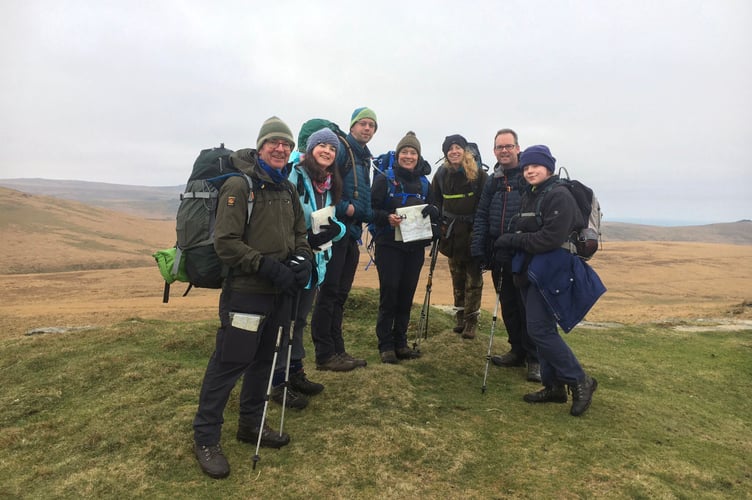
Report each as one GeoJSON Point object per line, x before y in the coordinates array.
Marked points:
{"type": "Point", "coordinates": [648, 102]}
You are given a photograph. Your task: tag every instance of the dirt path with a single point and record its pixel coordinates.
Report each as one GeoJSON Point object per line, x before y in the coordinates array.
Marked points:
{"type": "Point", "coordinates": [647, 282]}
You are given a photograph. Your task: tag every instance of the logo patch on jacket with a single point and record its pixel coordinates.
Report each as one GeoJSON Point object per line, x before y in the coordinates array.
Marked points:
{"type": "Point", "coordinates": [230, 201]}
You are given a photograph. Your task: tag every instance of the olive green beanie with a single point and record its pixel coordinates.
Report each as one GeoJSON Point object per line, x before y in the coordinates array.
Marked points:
{"type": "Point", "coordinates": [274, 128]}
{"type": "Point", "coordinates": [409, 141]}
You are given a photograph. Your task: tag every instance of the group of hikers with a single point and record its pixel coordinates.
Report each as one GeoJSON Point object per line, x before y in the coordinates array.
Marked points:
{"type": "Point", "coordinates": [285, 266]}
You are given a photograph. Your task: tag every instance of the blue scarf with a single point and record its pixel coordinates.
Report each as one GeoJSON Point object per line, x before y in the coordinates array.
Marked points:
{"type": "Point", "coordinates": [278, 176]}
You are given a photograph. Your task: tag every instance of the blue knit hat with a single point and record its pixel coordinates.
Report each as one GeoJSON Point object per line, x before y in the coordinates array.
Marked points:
{"type": "Point", "coordinates": [538, 155]}
{"type": "Point", "coordinates": [323, 136]}
{"type": "Point", "coordinates": [361, 113]}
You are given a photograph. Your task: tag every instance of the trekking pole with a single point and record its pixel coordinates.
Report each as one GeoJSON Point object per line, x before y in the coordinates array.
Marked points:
{"type": "Point", "coordinates": [256, 457]}
{"type": "Point", "coordinates": [296, 303]}
{"type": "Point", "coordinates": [490, 339]}
{"type": "Point", "coordinates": [422, 330]}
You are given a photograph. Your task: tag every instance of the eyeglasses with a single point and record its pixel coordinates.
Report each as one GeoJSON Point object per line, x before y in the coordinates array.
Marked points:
{"type": "Point", "coordinates": [275, 143]}
{"type": "Point", "coordinates": [508, 147]}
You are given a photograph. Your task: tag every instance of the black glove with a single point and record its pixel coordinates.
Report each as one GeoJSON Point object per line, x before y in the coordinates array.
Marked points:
{"type": "Point", "coordinates": [430, 211]}
{"type": "Point", "coordinates": [280, 275]}
{"type": "Point", "coordinates": [506, 240]}
{"type": "Point", "coordinates": [301, 267]}
{"type": "Point", "coordinates": [328, 233]}
{"type": "Point", "coordinates": [503, 255]}
{"type": "Point", "coordinates": [482, 262]}
{"type": "Point", "coordinates": [435, 232]}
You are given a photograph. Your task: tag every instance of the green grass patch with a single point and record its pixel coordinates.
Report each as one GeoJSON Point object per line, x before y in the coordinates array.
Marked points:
{"type": "Point", "coordinates": [107, 413]}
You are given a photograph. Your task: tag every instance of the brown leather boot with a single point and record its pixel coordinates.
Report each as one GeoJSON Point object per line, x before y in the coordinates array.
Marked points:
{"type": "Point", "coordinates": [459, 316]}
{"type": "Point", "coordinates": [471, 325]}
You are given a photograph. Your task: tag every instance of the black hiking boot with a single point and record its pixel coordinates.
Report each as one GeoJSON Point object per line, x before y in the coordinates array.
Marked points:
{"type": "Point", "coordinates": [389, 357]}
{"type": "Point", "coordinates": [459, 317]}
{"type": "Point", "coordinates": [300, 383]}
{"type": "Point", "coordinates": [212, 461]}
{"type": "Point", "coordinates": [294, 400]}
{"type": "Point", "coordinates": [336, 364]}
{"type": "Point", "coordinates": [406, 353]}
{"type": "Point", "coordinates": [582, 395]}
{"type": "Point", "coordinates": [269, 437]}
{"type": "Point", "coordinates": [554, 394]}
{"type": "Point", "coordinates": [509, 359]}
{"type": "Point", "coordinates": [356, 361]}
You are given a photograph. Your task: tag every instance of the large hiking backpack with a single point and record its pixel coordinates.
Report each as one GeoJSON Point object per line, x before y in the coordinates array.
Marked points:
{"type": "Point", "coordinates": [193, 259]}
{"type": "Point", "coordinates": [473, 148]}
{"type": "Point", "coordinates": [587, 240]}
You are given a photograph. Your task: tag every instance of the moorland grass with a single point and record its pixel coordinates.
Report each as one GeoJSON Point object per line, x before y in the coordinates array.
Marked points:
{"type": "Point", "coordinates": [107, 413]}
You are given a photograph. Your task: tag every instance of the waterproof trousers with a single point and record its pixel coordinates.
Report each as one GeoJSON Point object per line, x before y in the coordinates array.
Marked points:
{"type": "Point", "coordinates": [467, 284]}
{"type": "Point", "coordinates": [513, 313]}
{"type": "Point", "coordinates": [399, 271]}
{"type": "Point", "coordinates": [237, 353]}
{"type": "Point", "coordinates": [557, 361]}
{"type": "Point", "coordinates": [326, 320]}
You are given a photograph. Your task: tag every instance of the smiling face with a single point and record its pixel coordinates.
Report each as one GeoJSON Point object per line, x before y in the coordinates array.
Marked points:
{"type": "Point", "coordinates": [275, 152]}
{"type": "Point", "coordinates": [455, 154]}
{"type": "Point", "coordinates": [323, 155]}
{"type": "Point", "coordinates": [506, 150]}
{"type": "Point", "coordinates": [407, 157]}
{"type": "Point", "coordinates": [363, 130]}
{"type": "Point", "coordinates": [536, 174]}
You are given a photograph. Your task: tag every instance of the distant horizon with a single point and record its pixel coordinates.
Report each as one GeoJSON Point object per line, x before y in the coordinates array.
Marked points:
{"type": "Point", "coordinates": [615, 218]}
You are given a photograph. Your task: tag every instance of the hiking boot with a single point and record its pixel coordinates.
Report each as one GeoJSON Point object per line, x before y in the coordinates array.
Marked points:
{"type": "Point", "coordinates": [300, 383]}
{"type": "Point", "coordinates": [355, 361]}
{"type": "Point", "coordinates": [582, 395]}
{"type": "Point", "coordinates": [212, 461]}
{"type": "Point", "coordinates": [389, 357]}
{"type": "Point", "coordinates": [269, 437]}
{"type": "Point", "coordinates": [460, 319]}
{"type": "Point", "coordinates": [336, 364]}
{"type": "Point", "coordinates": [553, 394]}
{"type": "Point", "coordinates": [509, 359]}
{"type": "Point", "coordinates": [406, 353]}
{"type": "Point", "coordinates": [533, 372]}
{"type": "Point", "coordinates": [294, 400]}
{"type": "Point", "coordinates": [471, 325]}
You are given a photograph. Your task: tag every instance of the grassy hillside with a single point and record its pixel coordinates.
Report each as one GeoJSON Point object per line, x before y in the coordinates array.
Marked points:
{"type": "Point", "coordinates": [46, 234]}
{"type": "Point", "coordinates": [106, 413]}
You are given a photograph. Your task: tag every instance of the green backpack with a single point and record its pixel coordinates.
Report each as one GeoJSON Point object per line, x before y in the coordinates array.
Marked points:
{"type": "Point", "coordinates": [193, 259]}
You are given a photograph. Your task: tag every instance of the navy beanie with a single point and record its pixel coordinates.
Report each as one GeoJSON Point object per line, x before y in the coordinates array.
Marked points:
{"type": "Point", "coordinates": [538, 155]}
{"type": "Point", "coordinates": [453, 139]}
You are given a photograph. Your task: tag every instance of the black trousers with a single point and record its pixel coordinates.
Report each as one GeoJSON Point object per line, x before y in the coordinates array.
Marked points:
{"type": "Point", "coordinates": [240, 353]}
{"type": "Point", "coordinates": [326, 320]}
{"type": "Point", "coordinates": [513, 313]}
{"type": "Point", "coordinates": [399, 271]}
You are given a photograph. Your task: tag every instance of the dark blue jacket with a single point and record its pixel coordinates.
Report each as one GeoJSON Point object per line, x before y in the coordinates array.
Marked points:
{"type": "Point", "coordinates": [408, 181]}
{"type": "Point", "coordinates": [356, 186]}
{"type": "Point", "coordinates": [569, 286]}
{"type": "Point", "coordinates": [499, 203]}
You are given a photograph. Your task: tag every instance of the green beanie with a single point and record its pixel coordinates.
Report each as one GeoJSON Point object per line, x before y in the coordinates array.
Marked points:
{"type": "Point", "coordinates": [274, 128]}
{"type": "Point", "coordinates": [361, 113]}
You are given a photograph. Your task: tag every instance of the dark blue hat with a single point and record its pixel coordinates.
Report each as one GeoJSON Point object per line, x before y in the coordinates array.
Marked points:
{"type": "Point", "coordinates": [538, 155]}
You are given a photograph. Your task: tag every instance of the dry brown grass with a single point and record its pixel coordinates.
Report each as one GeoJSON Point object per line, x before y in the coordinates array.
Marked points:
{"type": "Point", "coordinates": [91, 266]}
{"type": "Point", "coordinates": [647, 282]}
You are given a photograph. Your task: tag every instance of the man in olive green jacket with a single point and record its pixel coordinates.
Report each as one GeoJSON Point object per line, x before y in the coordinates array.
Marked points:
{"type": "Point", "coordinates": [269, 260]}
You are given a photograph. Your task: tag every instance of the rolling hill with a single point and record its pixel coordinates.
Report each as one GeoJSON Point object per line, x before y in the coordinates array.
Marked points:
{"type": "Point", "coordinates": [129, 222]}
